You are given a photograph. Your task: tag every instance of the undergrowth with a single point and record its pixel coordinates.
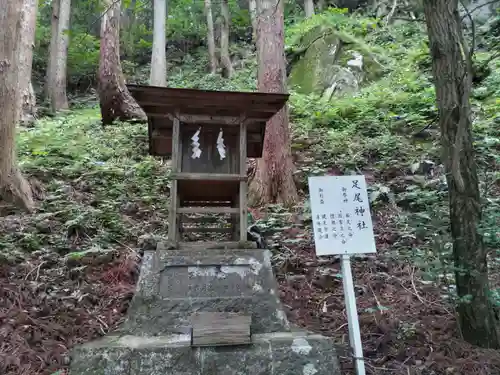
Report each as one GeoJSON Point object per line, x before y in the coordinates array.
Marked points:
{"type": "Point", "coordinates": [100, 186]}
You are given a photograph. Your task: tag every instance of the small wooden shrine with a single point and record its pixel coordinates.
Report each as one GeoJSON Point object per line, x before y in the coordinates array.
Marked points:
{"type": "Point", "coordinates": [209, 135]}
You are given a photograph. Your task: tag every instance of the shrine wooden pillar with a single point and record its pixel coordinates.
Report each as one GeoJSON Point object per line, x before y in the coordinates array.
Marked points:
{"type": "Point", "coordinates": [173, 228]}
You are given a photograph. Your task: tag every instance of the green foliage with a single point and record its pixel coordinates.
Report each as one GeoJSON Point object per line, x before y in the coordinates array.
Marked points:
{"type": "Point", "coordinates": [97, 192]}
{"type": "Point", "coordinates": [186, 20]}
{"type": "Point", "coordinates": [193, 73]}
{"type": "Point", "coordinates": [325, 22]}
{"type": "Point", "coordinates": [83, 58]}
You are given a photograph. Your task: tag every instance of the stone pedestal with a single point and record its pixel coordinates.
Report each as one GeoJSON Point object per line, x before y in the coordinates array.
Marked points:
{"type": "Point", "coordinates": [156, 336]}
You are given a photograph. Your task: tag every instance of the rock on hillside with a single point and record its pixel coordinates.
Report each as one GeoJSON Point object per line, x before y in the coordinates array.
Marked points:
{"type": "Point", "coordinates": [331, 62]}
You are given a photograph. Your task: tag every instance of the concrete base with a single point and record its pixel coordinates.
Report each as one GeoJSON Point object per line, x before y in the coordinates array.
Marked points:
{"type": "Point", "coordinates": [173, 284]}
{"type": "Point", "coordinates": [270, 354]}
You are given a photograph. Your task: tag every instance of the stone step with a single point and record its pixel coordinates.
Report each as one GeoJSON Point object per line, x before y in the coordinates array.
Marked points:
{"type": "Point", "coordinates": [285, 353]}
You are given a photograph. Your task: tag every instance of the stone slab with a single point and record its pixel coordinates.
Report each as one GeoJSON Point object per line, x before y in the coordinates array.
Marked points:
{"type": "Point", "coordinates": [174, 284]}
{"type": "Point", "coordinates": [160, 317]}
{"type": "Point", "coordinates": [286, 353]}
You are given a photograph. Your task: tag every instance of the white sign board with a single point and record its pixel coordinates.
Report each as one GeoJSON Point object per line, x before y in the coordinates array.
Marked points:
{"type": "Point", "coordinates": [341, 216]}
{"type": "Point", "coordinates": [343, 226]}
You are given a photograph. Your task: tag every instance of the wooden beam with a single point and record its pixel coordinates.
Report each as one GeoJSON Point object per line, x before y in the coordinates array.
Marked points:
{"type": "Point", "coordinates": [206, 230]}
{"type": "Point", "coordinates": [164, 134]}
{"type": "Point", "coordinates": [208, 245]}
{"type": "Point", "coordinates": [208, 176]}
{"type": "Point", "coordinates": [220, 329]}
{"type": "Point", "coordinates": [204, 220]}
{"type": "Point", "coordinates": [208, 210]}
{"type": "Point", "coordinates": [159, 112]}
{"type": "Point", "coordinates": [206, 119]}
{"type": "Point", "coordinates": [195, 203]}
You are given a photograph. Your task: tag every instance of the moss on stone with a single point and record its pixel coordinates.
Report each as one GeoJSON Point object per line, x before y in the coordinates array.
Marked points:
{"type": "Point", "coordinates": [327, 50]}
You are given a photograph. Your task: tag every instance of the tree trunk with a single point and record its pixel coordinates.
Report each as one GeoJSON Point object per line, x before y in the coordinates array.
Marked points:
{"type": "Point", "coordinates": [210, 37]}
{"type": "Point", "coordinates": [14, 188]}
{"type": "Point", "coordinates": [28, 98]}
{"type": "Point", "coordinates": [273, 181]}
{"type": "Point", "coordinates": [321, 5]}
{"type": "Point", "coordinates": [58, 97]}
{"type": "Point", "coordinates": [55, 86]}
{"type": "Point", "coordinates": [252, 7]}
{"type": "Point", "coordinates": [227, 67]}
{"type": "Point", "coordinates": [451, 66]}
{"type": "Point", "coordinates": [309, 8]}
{"type": "Point", "coordinates": [159, 57]}
{"type": "Point", "coordinates": [52, 64]}
{"type": "Point", "coordinates": [114, 97]}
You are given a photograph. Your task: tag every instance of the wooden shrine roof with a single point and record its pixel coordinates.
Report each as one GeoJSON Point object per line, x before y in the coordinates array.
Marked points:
{"type": "Point", "coordinates": [257, 106]}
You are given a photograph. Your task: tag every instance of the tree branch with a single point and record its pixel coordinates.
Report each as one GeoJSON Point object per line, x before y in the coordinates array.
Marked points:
{"type": "Point", "coordinates": [479, 6]}
{"type": "Point", "coordinates": [473, 30]}
{"type": "Point", "coordinates": [391, 13]}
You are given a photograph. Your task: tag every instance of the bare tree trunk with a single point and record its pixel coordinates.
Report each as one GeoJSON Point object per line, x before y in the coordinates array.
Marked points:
{"type": "Point", "coordinates": [273, 181]}
{"type": "Point", "coordinates": [321, 5]}
{"type": "Point", "coordinates": [14, 188]}
{"type": "Point", "coordinates": [227, 67]}
{"type": "Point", "coordinates": [159, 56]}
{"type": "Point", "coordinates": [451, 66]}
{"type": "Point", "coordinates": [58, 97]}
{"type": "Point", "coordinates": [210, 37]}
{"type": "Point", "coordinates": [309, 8]}
{"type": "Point", "coordinates": [252, 7]}
{"type": "Point", "coordinates": [28, 98]}
{"type": "Point", "coordinates": [52, 64]}
{"type": "Point", "coordinates": [55, 84]}
{"type": "Point", "coordinates": [115, 99]}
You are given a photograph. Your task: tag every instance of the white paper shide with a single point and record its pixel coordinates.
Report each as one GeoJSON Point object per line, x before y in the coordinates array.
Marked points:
{"type": "Point", "coordinates": [220, 145]}
{"type": "Point", "coordinates": [195, 144]}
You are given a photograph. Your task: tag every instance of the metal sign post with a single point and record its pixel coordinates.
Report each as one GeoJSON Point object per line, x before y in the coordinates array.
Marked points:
{"type": "Point", "coordinates": [343, 226]}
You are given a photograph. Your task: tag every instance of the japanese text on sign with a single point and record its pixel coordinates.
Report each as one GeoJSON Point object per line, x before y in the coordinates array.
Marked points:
{"type": "Point", "coordinates": [341, 215]}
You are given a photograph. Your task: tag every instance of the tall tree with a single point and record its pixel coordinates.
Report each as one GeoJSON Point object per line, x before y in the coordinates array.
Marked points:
{"type": "Point", "coordinates": [273, 181]}
{"type": "Point", "coordinates": [210, 37]}
{"type": "Point", "coordinates": [309, 8]}
{"type": "Point", "coordinates": [159, 56]}
{"type": "Point", "coordinates": [114, 97]}
{"type": "Point", "coordinates": [14, 188]}
{"type": "Point", "coordinates": [227, 66]}
{"type": "Point", "coordinates": [49, 78]}
{"type": "Point", "coordinates": [57, 70]}
{"type": "Point", "coordinates": [451, 65]}
{"type": "Point", "coordinates": [28, 98]}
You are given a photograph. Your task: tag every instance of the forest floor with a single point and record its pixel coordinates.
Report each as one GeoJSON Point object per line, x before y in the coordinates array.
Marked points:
{"type": "Point", "coordinates": [68, 271]}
